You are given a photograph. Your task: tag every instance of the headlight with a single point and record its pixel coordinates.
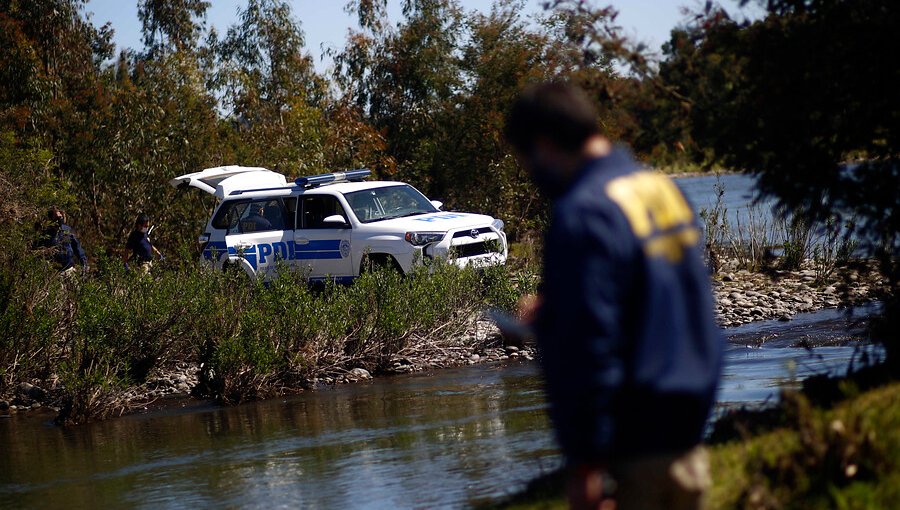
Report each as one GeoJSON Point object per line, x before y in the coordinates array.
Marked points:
{"type": "Point", "coordinates": [423, 238]}
{"type": "Point", "coordinates": [498, 225]}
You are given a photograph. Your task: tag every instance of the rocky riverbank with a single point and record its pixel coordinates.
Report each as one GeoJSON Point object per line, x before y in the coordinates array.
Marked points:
{"type": "Point", "coordinates": [741, 297]}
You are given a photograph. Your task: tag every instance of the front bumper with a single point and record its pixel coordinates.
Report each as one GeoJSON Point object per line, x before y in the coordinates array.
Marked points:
{"type": "Point", "coordinates": [479, 247]}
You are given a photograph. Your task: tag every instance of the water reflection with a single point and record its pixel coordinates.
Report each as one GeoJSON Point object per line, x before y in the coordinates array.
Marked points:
{"type": "Point", "coordinates": [413, 442]}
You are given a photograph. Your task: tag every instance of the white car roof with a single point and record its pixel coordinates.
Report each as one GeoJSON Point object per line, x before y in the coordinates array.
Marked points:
{"type": "Point", "coordinates": [234, 181]}
{"type": "Point", "coordinates": [328, 189]}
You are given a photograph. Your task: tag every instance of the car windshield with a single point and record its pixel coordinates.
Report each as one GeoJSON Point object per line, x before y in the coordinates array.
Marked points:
{"type": "Point", "coordinates": [386, 203]}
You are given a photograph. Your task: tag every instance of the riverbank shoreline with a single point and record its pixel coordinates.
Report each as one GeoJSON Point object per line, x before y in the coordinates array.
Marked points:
{"type": "Point", "coordinates": [741, 297]}
{"type": "Point", "coordinates": [814, 453]}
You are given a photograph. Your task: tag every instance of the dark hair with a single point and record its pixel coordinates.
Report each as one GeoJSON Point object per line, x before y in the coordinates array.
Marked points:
{"type": "Point", "coordinates": [53, 212]}
{"type": "Point", "coordinates": [142, 219]}
{"type": "Point", "coordinates": [555, 110]}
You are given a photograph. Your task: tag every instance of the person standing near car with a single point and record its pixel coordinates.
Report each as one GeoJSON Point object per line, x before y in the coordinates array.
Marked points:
{"type": "Point", "coordinates": [624, 318]}
{"type": "Point", "coordinates": [61, 239]}
{"type": "Point", "coordinates": [138, 248]}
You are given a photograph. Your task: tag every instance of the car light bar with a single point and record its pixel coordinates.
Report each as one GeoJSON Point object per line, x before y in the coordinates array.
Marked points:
{"type": "Point", "coordinates": [318, 180]}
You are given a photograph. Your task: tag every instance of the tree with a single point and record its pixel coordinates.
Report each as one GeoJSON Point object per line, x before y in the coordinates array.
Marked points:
{"type": "Point", "coordinates": [270, 89]}
{"type": "Point", "coordinates": [806, 98]}
{"type": "Point", "coordinates": [472, 164]}
{"type": "Point", "coordinates": [402, 79]}
{"type": "Point", "coordinates": [169, 25]}
{"type": "Point", "coordinates": [51, 54]}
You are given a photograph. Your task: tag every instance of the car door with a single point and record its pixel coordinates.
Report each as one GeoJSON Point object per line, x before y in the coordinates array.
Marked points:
{"type": "Point", "coordinates": [259, 233]}
{"type": "Point", "coordinates": [322, 249]}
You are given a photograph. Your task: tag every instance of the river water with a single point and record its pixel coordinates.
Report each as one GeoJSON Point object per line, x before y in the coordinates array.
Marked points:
{"type": "Point", "coordinates": [446, 439]}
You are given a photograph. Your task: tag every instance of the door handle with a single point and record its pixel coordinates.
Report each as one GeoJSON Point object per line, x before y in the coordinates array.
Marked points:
{"type": "Point", "coordinates": [301, 240]}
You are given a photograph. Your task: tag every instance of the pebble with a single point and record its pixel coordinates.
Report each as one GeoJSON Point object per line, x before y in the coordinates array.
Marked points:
{"type": "Point", "coordinates": [360, 373]}
{"type": "Point", "coordinates": [743, 297]}
{"type": "Point", "coordinates": [31, 391]}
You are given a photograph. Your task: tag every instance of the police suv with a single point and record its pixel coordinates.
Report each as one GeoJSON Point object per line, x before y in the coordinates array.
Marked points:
{"type": "Point", "coordinates": [334, 225]}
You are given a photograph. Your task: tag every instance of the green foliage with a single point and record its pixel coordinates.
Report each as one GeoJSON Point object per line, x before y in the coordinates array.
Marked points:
{"type": "Point", "coordinates": [169, 26]}
{"type": "Point", "coordinates": [271, 90]}
{"type": "Point", "coordinates": [843, 457]}
{"type": "Point", "coordinates": [423, 101]}
{"type": "Point", "coordinates": [796, 242]}
{"type": "Point", "coordinates": [791, 96]}
{"type": "Point", "coordinates": [101, 334]}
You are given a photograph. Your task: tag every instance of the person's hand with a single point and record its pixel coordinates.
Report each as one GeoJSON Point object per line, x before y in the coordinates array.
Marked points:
{"type": "Point", "coordinates": [528, 307]}
{"type": "Point", "coordinates": [585, 488]}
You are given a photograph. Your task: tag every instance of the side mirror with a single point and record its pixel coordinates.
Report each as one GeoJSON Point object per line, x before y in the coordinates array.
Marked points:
{"type": "Point", "coordinates": [437, 204]}
{"type": "Point", "coordinates": [335, 221]}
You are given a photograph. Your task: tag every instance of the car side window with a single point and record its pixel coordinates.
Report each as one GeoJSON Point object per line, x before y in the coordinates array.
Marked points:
{"type": "Point", "coordinates": [228, 216]}
{"type": "Point", "coordinates": [256, 216]}
{"type": "Point", "coordinates": [315, 208]}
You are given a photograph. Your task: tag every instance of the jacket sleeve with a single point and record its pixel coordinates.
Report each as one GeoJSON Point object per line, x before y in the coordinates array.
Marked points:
{"type": "Point", "coordinates": [77, 249]}
{"type": "Point", "coordinates": [582, 342]}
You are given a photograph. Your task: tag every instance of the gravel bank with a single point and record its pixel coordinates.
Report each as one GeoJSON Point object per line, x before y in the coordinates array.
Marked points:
{"type": "Point", "coordinates": [742, 296]}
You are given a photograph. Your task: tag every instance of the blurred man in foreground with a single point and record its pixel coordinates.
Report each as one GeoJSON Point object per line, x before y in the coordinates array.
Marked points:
{"type": "Point", "coordinates": [624, 318]}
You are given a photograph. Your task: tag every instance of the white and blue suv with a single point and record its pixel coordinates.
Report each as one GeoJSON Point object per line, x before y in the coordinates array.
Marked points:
{"type": "Point", "coordinates": [334, 225]}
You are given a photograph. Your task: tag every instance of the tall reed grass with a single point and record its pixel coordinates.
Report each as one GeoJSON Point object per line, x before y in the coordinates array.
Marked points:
{"type": "Point", "coordinates": [102, 333]}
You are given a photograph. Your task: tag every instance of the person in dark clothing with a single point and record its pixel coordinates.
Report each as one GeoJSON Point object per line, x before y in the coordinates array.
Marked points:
{"type": "Point", "coordinates": [61, 239]}
{"type": "Point", "coordinates": [624, 316]}
{"type": "Point", "coordinates": [138, 249]}
{"type": "Point", "coordinates": [256, 221]}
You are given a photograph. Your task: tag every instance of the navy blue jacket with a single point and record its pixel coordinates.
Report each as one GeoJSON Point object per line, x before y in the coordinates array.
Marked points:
{"type": "Point", "coordinates": [630, 349]}
{"type": "Point", "coordinates": [139, 244]}
{"type": "Point", "coordinates": [66, 247]}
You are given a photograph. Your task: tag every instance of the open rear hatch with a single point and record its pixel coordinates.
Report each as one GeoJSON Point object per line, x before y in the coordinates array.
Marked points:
{"type": "Point", "coordinates": [222, 180]}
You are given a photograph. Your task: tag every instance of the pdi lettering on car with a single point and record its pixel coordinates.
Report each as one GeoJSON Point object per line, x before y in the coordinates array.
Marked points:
{"type": "Point", "coordinates": [333, 225]}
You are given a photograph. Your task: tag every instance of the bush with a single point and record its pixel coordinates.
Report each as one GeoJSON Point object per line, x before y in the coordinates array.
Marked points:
{"type": "Point", "coordinates": [105, 333]}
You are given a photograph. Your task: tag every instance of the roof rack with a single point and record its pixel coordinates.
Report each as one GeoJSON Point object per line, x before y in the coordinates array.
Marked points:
{"type": "Point", "coordinates": [313, 181]}
{"type": "Point", "coordinates": [242, 191]}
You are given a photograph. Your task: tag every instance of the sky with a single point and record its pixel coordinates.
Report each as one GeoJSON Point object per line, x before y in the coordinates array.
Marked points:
{"type": "Point", "coordinates": [325, 23]}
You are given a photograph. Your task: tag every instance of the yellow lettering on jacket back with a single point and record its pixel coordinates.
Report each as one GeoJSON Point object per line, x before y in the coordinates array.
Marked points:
{"type": "Point", "coordinates": [657, 213]}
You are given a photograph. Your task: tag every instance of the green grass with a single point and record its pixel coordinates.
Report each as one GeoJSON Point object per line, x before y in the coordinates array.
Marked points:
{"type": "Point", "coordinates": [846, 457]}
